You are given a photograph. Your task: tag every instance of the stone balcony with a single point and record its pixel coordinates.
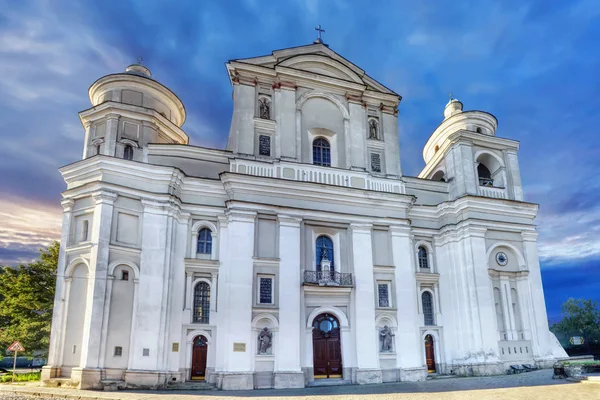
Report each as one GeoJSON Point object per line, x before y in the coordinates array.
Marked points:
{"type": "Point", "coordinates": [316, 174]}
{"type": "Point", "coordinates": [328, 278]}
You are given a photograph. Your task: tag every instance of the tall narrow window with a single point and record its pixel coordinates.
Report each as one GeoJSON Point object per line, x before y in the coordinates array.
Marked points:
{"type": "Point", "coordinates": [265, 290]}
{"type": "Point", "coordinates": [321, 152]}
{"type": "Point", "coordinates": [204, 241]}
{"type": "Point", "coordinates": [85, 230]}
{"type": "Point", "coordinates": [128, 152]}
{"type": "Point", "coordinates": [383, 294]}
{"type": "Point", "coordinates": [375, 162]}
{"type": "Point", "coordinates": [324, 250]}
{"type": "Point", "coordinates": [423, 258]}
{"type": "Point", "coordinates": [264, 145]}
{"type": "Point", "coordinates": [201, 302]}
{"type": "Point", "coordinates": [427, 302]}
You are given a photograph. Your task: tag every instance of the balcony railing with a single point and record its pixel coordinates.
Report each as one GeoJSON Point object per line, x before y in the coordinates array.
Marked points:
{"type": "Point", "coordinates": [327, 278]}
{"type": "Point", "coordinates": [316, 174]}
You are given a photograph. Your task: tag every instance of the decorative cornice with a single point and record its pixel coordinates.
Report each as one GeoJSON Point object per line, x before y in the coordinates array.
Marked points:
{"type": "Point", "coordinates": [241, 216]}
{"type": "Point", "coordinates": [400, 230]}
{"type": "Point", "coordinates": [289, 221]}
{"type": "Point", "coordinates": [67, 204]}
{"type": "Point", "coordinates": [529, 236]}
{"type": "Point", "coordinates": [104, 197]}
{"type": "Point", "coordinates": [363, 228]}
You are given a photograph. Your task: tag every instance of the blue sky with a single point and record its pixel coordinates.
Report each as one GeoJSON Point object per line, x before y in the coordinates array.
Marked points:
{"type": "Point", "coordinates": [533, 64]}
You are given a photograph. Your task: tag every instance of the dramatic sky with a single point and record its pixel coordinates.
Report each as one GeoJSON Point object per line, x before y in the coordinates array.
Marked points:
{"type": "Point", "coordinates": [534, 64]}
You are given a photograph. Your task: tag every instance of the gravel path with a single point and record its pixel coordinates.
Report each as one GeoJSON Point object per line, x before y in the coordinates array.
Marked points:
{"type": "Point", "coordinates": [526, 386]}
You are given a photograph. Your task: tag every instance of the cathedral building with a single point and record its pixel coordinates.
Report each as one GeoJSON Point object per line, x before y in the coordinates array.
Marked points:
{"type": "Point", "coordinates": [301, 252]}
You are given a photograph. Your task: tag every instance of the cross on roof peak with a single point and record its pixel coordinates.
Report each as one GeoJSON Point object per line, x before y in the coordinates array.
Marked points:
{"type": "Point", "coordinates": [319, 31]}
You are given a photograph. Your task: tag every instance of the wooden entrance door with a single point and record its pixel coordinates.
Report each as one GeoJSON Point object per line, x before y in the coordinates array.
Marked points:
{"type": "Point", "coordinates": [199, 351]}
{"type": "Point", "coordinates": [327, 350]}
{"type": "Point", "coordinates": [429, 353]}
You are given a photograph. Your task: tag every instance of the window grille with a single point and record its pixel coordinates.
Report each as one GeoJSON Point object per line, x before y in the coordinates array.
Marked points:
{"type": "Point", "coordinates": [423, 258]}
{"type": "Point", "coordinates": [204, 241]}
{"type": "Point", "coordinates": [201, 302]}
{"type": "Point", "coordinates": [383, 291]}
{"type": "Point", "coordinates": [124, 275]}
{"type": "Point", "coordinates": [427, 308]}
{"type": "Point", "coordinates": [375, 162]}
{"type": "Point", "coordinates": [118, 351]}
{"type": "Point", "coordinates": [321, 152]}
{"type": "Point", "coordinates": [265, 290]}
{"type": "Point", "coordinates": [264, 145]}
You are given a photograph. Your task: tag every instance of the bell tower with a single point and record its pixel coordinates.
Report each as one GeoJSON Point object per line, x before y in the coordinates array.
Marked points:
{"type": "Point", "coordinates": [465, 152]}
{"type": "Point", "coordinates": [130, 110]}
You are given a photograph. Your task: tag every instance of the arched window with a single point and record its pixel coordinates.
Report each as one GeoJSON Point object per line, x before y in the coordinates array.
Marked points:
{"type": "Point", "coordinates": [324, 250]}
{"type": "Point", "coordinates": [204, 241]}
{"type": "Point", "coordinates": [201, 302]}
{"type": "Point", "coordinates": [321, 152]}
{"type": "Point", "coordinates": [128, 152]}
{"type": "Point", "coordinates": [427, 302]}
{"type": "Point", "coordinates": [423, 258]}
{"type": "Point", "coordinates": [485, 176]}
{"type": "Point", "coordinates": [478, 130]}
{"type": "Point", "coordinates": [84, 230]}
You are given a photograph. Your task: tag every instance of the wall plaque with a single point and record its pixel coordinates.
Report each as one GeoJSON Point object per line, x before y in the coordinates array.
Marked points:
{"type": "Point", "coordinates": [239, 347]}
{"type": "Point", "coordinates": [175, 347]}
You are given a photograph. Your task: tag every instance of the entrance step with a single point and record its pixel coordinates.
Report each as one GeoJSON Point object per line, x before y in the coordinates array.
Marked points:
{"type": "Point", "coordinates": [436, 376]}
{"type": "Point", "coordinates": [112, 385]}
{"type": "Point", "coordinates": [191, 385]}
{"type": "Point", "coordinates": [328, 382]}
{"type": "Point", "coordinates": [60, 382]}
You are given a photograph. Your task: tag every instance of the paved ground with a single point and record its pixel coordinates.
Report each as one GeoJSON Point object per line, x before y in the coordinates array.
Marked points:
{"type": "Point", "coordinates": [526, 386]}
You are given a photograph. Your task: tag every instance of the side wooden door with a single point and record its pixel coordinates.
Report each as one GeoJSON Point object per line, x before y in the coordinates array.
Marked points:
{"type": "Point", "coordinates": [199, 354]}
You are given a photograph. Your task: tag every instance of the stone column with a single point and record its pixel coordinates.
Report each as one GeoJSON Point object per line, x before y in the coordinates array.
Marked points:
{"type": "Point", "coordinates": [346, 146]}
{"type": "Point", "coordinates": [367, 352]}
{"type": "Point", "coordinates": [150, 313]}
{"type": "Point", "coordinates": [410, 346]}
{"type": "Point", "coordinates": [235, 371]}
{"type": "Point", "coordinates": [96, 292]}
{"type": "Point", "coordinates": [59, 309]}
{"type": "Point", "coordinates": [288, 373]}
{"type": "Point", "coordinates": [213, 292]}
{"type": "Point", "coordinates": [540, 318]}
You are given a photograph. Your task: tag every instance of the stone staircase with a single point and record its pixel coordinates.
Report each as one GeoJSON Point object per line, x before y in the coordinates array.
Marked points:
{"type": "Point", "coordinates": [328, 382]}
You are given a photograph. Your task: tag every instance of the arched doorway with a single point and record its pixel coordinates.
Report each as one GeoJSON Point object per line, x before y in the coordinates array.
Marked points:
{"type": "Point", "coordinates": [327, 350]}
{"type": "Point", "coordinates": [429, 353]}
{"type": "Point", "coordinates": [199, 353]}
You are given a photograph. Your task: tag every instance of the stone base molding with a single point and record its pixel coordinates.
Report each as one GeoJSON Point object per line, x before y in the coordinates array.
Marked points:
{"type": "Point", "coordinates": [288, 380]}
{"type": "Point", "coordinates": [368, 376]}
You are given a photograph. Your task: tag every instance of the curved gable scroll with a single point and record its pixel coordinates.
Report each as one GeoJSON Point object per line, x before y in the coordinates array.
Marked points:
{"type": "Point", "coordinates": [323, 66]}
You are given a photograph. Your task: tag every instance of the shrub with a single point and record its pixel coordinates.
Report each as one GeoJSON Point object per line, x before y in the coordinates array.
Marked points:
{"type": "Point", "coordinates": [30, 376]}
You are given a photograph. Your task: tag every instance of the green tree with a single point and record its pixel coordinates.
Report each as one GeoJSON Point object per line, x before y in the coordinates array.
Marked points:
{"type": "Point", "coordinates": [27, 298]}
{"type": "Point", "coordinates": [580, 317]}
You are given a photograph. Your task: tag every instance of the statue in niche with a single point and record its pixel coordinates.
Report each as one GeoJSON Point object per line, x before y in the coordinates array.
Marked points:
{"type": "Point", "coordinates": [386, 336]}
{"type": "Point", "coordinates": [264, 339]}
{"type": "Point", "coordinates": [264, 108]}
{"type": "Point", "coordinates": [373, 129]}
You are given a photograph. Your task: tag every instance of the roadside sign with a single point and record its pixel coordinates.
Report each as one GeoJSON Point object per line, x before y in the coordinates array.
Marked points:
{"type": "Point", "coordinates": [576, 340]}
{"type": "Point", "coordinates": [16, 346]}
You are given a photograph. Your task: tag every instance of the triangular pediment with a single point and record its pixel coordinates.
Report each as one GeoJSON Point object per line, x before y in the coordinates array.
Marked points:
{"type": "Point", "coordinates": [318, 59]}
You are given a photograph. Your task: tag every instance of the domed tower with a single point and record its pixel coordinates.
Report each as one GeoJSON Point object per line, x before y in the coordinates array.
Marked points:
{"type": "Point", "coordinates": [465, 152]}
{"type": "Point", "coordinates": [131, 110]}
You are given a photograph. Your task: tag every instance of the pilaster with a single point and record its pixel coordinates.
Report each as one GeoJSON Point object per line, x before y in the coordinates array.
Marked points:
{"type": "Point", "coordinates": [110, 140]}
{"type": "Point", "coordinates": [367, 354]}
{"type": "Point", "coordinates": [410, 347]}
{"type": "Point", "coordinates": [99, 254]}
{"type": "Point", "coordinates": [86, 143]}
{"type": "Point", "coordinates": [287, 362]}
{"type": "Point", "coordinates": [235, 316]}
{"type": "Point", "coordinates": [285, 115]}
{"type": "Point", "coordinates": [59, 308]}
{"type": "Point", "coordinates": [392, 145]}
{"type": "Point", "coordinates": [356, 143]}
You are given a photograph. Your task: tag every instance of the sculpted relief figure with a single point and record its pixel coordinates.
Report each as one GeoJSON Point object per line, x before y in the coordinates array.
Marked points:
{"type": "Point", "coordinates": [386, 336]}
{"type": "Point", "coordinates": [264, 340]}
{"type": "Point", "coordinates": [372, 129]}
{"type": "Point", "coordinates": [264, 109]}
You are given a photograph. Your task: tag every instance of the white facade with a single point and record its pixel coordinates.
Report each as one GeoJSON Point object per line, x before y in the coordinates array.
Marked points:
{"type": "Point", "coordinates": [174, 258]}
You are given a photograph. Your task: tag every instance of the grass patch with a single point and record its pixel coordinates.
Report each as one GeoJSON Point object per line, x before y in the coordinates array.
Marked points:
{"type": "Point", "coordinates": [28, 377]}
{"type": "Point", "coordinates": [582, 363]}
